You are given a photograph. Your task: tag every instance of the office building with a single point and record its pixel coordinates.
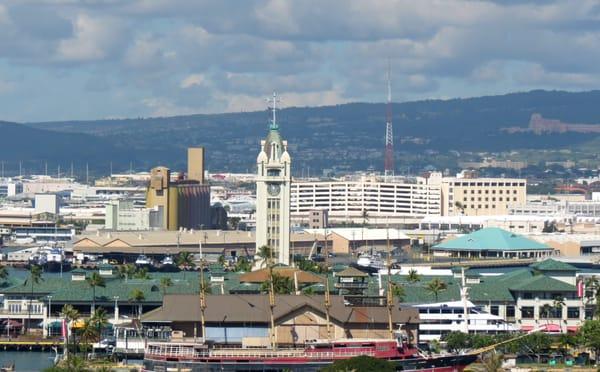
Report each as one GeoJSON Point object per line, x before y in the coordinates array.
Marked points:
{"type": "Point", "coordinates": [273, 194]}
{"type": "Point", "coordinates": [469, 195]}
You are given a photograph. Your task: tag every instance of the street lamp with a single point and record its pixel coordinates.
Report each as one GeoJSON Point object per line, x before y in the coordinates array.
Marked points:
{"type": "Point", "coordinates": [116, 311]}
{"type": "Point", "coordinates": [49, 305]}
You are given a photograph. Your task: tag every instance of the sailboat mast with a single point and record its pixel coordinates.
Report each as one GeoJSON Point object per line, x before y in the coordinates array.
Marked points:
{"type": "Point", "coordinates": [202, 299]}
{"type": "Point", "coordinates": [327, 306]}
{"type": "Point", "coordinates": [271, 307]}
{"type": "Point", "coordinates": [390, 295]}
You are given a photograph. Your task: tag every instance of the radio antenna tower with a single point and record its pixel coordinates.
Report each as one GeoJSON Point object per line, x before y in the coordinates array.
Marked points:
{"type": "Point", "coordinates": [388, 165]}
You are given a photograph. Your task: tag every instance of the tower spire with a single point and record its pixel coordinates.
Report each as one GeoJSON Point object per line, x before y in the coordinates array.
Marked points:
{"type": "Point", "coordinates": [274, 100]}
{"type": "Point", "coordinates": [388, 165]}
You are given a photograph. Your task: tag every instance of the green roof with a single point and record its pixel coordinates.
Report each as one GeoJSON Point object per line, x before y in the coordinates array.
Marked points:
{"type": "Point", "coordinates": [543, 283]}
{"type": "Point", "coordinates": [491, 239]}
{"type": "Point", "coordinates": [497, 288]}
{"type": "Point", "coordinates": [553, 265]}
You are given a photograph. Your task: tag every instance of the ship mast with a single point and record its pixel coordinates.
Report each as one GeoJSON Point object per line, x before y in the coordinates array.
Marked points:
{"type": "Point", "coordinates": [327, 306]}
{"type": "Point", "coordinates": [202, 295]}
{"type": "Point", "coordinates": [272, 301]}
{"type": "Point", "coordinates": [390, 295]}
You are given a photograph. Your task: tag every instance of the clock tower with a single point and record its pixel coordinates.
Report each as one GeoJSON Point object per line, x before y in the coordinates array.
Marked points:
{"type": "Point", "coordinates": [273, 193]}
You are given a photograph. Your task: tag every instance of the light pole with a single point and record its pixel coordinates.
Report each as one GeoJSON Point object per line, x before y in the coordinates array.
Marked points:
{"type": "Point", "coordinates": [116, 310]}
{"type": "Point", "coordinates": [49, 306]}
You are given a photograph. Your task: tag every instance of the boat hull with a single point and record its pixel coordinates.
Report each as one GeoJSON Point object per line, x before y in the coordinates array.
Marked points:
{"type": "Point", "coordinates": [454, 363]}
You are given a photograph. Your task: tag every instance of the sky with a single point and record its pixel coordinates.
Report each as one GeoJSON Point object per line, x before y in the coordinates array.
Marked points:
{"type": "Point", "coordinates": [97, 59]}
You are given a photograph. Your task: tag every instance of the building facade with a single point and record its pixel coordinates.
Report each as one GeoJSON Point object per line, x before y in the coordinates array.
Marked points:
{"type": "Point", "coordinates": [122, 216]}
{"type": "Point", "coordinates": [182, 204]}
{"type": "Point", "coordinates": [367, 199]}
{"type": "Point", "coordinates": [481, 196]}
{"type": "Point", "coordinates": [273, 195]}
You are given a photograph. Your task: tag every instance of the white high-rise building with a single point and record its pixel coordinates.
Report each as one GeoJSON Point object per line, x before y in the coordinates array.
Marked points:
{"type": "Point", "coordinates": [273, 194]}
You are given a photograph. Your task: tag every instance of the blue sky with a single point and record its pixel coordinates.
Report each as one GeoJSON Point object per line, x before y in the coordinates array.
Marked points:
{"type": "Point", "coordinates": [93, 59]}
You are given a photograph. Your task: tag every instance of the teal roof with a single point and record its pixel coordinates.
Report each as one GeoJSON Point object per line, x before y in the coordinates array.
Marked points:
{"type": "Point", "coordinates": [491, 239]}
{"type": "Point", "coordinates": [553, 265]}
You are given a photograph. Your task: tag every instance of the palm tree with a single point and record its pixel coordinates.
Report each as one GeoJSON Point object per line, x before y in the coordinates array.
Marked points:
{"type": "Point", "coordinates": [266, 255]}
{"type": "Point", "coordinates": [127, 271]}
{"type": "Point", "coordinates": [95, 280]}
{"type": "Point", "coordinates": [398, 292]}
{"type": "Point", "coordinates": [242, 264]}
{"type": "Point", "coordinates": [492, 362]}
{"type": "Point", "coordinates": [137, 296]}
{"type": "Point", "coordinates": [99, 319]}
{"type": "Point", "coordinates": [70, 314]}
{"type": "Point", "coordinates": [413, 277]}
{"type": "Point", "coordinates": [281, 284]}
{"type": "Point", "coordinates": [35, 276]}
{"type": "Point", "coordinates": [185, 260]}
{"type": "Point", "coordinates": [436, 286]}
{"type": "Point", "coordinates": [222, 260]}
{"type": "Point", "coordinates": [3, 272]}
{"type": "Point", "coordinates": [166, 282]}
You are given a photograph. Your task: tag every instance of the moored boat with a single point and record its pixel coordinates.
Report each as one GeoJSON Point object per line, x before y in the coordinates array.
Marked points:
{"type": "Point", "coordinates": [165, 356]}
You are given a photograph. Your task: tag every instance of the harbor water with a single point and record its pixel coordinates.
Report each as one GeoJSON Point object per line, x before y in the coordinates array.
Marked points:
{"type": "Point", "coordinates": [26, 361]}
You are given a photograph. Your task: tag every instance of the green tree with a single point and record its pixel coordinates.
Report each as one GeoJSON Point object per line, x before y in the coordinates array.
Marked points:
{"type": "Point", "coordinates": [413, 277]}
{"type": "Point", "coordinates": [221, 260]}
{"type": "Point", "coordinates": [492, 362]}
{"type": "Point", "coordinates": [166, 282]}
{"type": "Point", "coordinates": [137, 296]}
{"type": "Point", "coordinates": [95, 280]}
{"type": "Point", "coordinates": [3, 273]}
{"type": "Point", "coordinates": [281, 284]}
{"type": "Point", "coordinates": [592, 285]}
{"type": "Point", "coordinates": [35, 277]}
{"type": "Point", "coordinates": [361, 363]}
{"type": "Point", "coordinates": [142, 273]}
{"type": "Point", "coordinates": [457, 341]}
{"type": "Point", "coordinates": [127, 271]}
{"type": "Point", "coordinates": [185, 261]}
{"type": "Point", "coordinates": [266, 255]}
{"type": "Point", "coordinates": [590, 336]}
{"type": "Point", "coordinates": [243, 264]}
{"type": "Point", "coordinates": [398, 292]}
{"type": "Point", "coordinates": [435, 287]}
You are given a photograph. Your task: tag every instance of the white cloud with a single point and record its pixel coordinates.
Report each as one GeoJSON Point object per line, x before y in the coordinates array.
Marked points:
{"type": "Point", "coordinates": [192, 80]}
{"type": "Point", "coordinates": [92, 39]}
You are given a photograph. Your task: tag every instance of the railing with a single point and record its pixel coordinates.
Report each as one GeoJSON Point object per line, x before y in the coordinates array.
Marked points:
{"type": "Point", "coordinates": [21, 312]}
{"type": "Point", "coordinates": [188, 351]}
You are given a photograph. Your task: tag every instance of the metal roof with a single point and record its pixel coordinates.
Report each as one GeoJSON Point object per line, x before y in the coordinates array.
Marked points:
{"type": "Point", "coordinates": [491, 239]}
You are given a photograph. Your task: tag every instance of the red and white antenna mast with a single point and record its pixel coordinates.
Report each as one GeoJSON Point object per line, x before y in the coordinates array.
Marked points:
{"type": "Point", "coordinates": [388, 164]}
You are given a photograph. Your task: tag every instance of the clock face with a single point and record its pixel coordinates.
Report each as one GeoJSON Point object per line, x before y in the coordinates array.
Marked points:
{"type": "Point", "coordinates": [273, 189]}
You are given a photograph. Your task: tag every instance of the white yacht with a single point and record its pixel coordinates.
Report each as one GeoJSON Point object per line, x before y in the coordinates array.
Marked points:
{"type": "Point", "coordinates": [439, 319]}
{"type": "Point", "coordinates": [143, 261]}
{"type": "Point", "coordinates": [370, 263]}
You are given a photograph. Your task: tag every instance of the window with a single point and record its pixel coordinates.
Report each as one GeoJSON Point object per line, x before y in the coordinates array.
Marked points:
{"type": "Point", "coordinates": [572, 312]}
{"type": "Point", "coordinates": [527, 295]}
{"type": "Point", "coordinates": [527, 312]}
{"type": "Point", "coordinates": [495, 310]}
{"type": "Point", "coordinates": [510, 311]}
